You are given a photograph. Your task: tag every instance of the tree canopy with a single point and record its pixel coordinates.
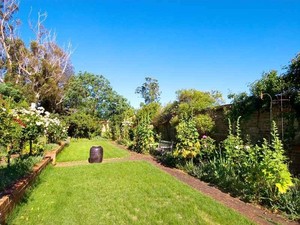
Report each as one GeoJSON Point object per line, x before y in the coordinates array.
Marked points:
{"type": "Point", "coordinates": [94, 95]}
{"type": "Point", "coordinates": [149, 90]}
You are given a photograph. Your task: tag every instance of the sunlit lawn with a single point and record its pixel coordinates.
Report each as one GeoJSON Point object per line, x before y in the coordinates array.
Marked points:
{"type": "Point", "coordinates": [79, 150]}
{"type": "Point", "coordinates": [118, 193]}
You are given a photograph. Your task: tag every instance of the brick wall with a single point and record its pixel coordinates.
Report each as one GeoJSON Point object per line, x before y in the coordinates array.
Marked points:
{"type": "Point", "coordinates": [257, 126]}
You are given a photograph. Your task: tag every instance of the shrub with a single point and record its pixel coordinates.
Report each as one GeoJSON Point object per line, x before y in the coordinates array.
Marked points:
{"type": "Point", "coordinates": [82, 125]}
{"type": "Point", "coordinates": [18, 169]}
{"type": "Point", "coordinates": [253, 172]}
{"type": "Point", "coordinates": [144, 136]}
{"type": "Point", "coordinates": [168, 159]}
{"type": "Point", "coordinates": [289, 202]}
{"type": "Point", "coordinates": [188, 145]}
{"type": "Point", "coordinates": [55, 130]}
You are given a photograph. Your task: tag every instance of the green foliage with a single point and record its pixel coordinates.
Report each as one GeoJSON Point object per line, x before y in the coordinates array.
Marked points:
{"type": "Point", "coordinates": [188, 145]}
{"type": "Point", "coordinates": [242, 104]}
{"type": "Point", "coordinates": [10, 128]}
{"type": "Point", "coordinates": [151, 110]}
{"type": "Point", "coordinates": [292, 80]}
{"type": "Point", "coordinates": [92, 97]}
{"type": "Point", "coordinates": [189, 102]}
{"type": "Point", "coordinates": [270, 83]}
{"type": "Point", "coordinates": [82, 125]}
{"type": "Point", "coordinates": [256, 173]}
{"type": "Point", "coordinates": [292, 75]}
{"type": "Point", "coordinates": [8, 91]}
{"type": "Point", "coordinates": [289, 202]}
{"type": "Point", "coordinates": [127, 125]}
{"type": "Point", "coordinates": [90, 93]}
{"type": "Point", "coordinates": [144, 135]}
{"type": "Point", "coordinates": [18, 169]}
{"type": "Point", "coordinates": [121, 122]}
{"type": "Point", "coordinates": [192, 101]}
{"type": "Point", "coordinates": [204, 123]}
{"type": "Point", "coordinates": [207, 148]}
{"type": "Point", "coordinates": [165, 114]}
{"type": "Point", "coordinates": [168, 159]}
{"type": "Point", "coordinates": [261, 170]}
{"type": "Point", "coordinates": [55, 129]}
{"type": "Point", "coordinates": [149, 90]}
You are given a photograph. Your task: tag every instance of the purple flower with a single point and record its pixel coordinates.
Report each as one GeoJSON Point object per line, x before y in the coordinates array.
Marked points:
{"type": "Point", "coordinates": [204, 136]}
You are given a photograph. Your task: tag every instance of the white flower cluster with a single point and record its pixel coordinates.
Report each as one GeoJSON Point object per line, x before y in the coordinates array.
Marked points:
{"type": "Point", "coordinates": [126, 123]}
{"type": "Point", "coordinates": [34, 122]}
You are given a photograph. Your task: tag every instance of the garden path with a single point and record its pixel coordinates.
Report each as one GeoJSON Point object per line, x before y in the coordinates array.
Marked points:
{"type": "Point", "coordinates": [254, 212]}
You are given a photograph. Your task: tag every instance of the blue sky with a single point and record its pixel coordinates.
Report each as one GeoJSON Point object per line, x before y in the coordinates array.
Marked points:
{"type": "Point", "coordinates": [205, 44]}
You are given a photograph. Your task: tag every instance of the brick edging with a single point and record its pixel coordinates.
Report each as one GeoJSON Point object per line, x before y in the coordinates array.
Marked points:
{"type": "Point", "coordinates": [15, 194]}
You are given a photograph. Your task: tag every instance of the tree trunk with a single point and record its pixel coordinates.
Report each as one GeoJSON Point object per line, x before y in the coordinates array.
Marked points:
{"type": "Point", "coordinates": [30, 147]}
{"type": "Point", "coordinates": [8, 155]}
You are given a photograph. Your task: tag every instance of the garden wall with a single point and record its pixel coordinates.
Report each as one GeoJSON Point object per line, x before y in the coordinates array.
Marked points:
{"type": "Point", "coordinates": [257, 126]}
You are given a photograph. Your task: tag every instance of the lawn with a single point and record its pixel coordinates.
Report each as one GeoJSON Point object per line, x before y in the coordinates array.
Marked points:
{"type": "Point", "coordinates": [118, 193]}
{"type": "Point", "coordinates": [79, 150]}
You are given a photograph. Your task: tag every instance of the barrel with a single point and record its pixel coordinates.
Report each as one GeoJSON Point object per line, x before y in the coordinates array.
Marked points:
{"type": "Point", "coordinates": [96, 154]}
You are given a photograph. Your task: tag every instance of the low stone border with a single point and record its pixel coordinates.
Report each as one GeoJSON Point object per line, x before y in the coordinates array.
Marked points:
{"type": "Point", "coordinates": [17, 191]}
{"type": "Point", "coordinates": [55, 152]}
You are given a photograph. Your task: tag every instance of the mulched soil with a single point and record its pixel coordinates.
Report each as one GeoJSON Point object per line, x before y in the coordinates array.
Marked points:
{"type": "Point", "coordinates": [255, 213]}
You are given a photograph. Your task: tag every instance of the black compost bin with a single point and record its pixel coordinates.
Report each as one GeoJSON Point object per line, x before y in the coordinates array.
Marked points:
{"type": "Point", "coordinates": [96, 154]}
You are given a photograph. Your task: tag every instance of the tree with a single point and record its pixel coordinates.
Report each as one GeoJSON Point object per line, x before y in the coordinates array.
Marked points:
{"type": "Point", "coordinates": [93, 95]}
{"type": "Point", "coordinates": [7, 35]}
{"type": "Point", "coordinates": [90, 93]}
{"type": "Point", "coordinates": [149, 90]}
{"type": "Point", "coordinates": [41, 70]}
{"type": "Point", "coordinates": [192, 101]}
{"type": "Point", "coordinates": [270, 83]}
{"type": "Point", "coordinates": [292, 75]}
{"type": "Point", "coordinates": [292, 79]}
{"type": "Point", "coordinates": [45, 66]}
{"type": "Point", "coordinates": [196, 104]}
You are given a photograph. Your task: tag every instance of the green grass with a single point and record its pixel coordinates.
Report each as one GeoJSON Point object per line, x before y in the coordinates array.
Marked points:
{"type": "Point", "coordinates": [80, 149]}
{"type": "Point", "coordinates": [118, 193]}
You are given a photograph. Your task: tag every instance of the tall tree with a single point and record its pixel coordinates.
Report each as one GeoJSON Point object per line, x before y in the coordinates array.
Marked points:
{"type": "Point", "coordinates": [39, 71]}
{"type": "Point", "coordinates": [94, 95]}
{"type": "Point", "coordinates": [7, 35]}
{"type": "Point", "coordinates": [149, 90]}
{"type": "Point", "coordinates": [45, 66]}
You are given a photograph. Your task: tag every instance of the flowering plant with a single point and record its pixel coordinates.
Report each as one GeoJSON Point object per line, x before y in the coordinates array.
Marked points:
{"type": "Point", "coordinates": [188, 145]}
{"type": "Point", "coordinates": [54, 129]}
{"type": "Point", "coordinates": [10, 131]}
